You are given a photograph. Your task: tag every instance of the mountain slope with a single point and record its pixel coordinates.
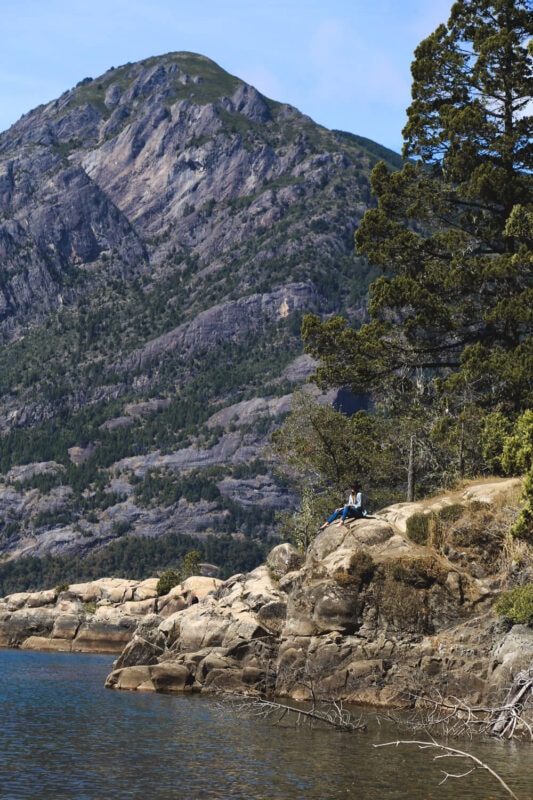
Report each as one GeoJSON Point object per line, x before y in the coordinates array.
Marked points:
{"type": "Point", "coordinates": [162, 230]}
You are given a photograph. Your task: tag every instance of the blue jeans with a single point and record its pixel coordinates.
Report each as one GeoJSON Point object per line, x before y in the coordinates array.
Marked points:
{"type": "Point", "coordinates": [348, 511]}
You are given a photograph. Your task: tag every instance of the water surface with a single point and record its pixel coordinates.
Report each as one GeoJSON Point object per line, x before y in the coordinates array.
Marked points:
{"type": "Point", "coordinates": [64, 737]}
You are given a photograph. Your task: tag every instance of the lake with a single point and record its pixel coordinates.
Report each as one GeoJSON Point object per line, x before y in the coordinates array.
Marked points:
{"type": "Point", "coordinates": [64, 737]}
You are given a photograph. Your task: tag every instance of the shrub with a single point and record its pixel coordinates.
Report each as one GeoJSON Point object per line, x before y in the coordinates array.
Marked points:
{"type": "Point", "coordinates": [346, 580]}
{"type": "Point", "coordinates": [402, 606]}
{"type": "Point", "coordinates": [121, 527]}
{"type": "Point", "coordinates": [191, 564]}
{"type": "Point", "coordinates": [362, 566]}
{"type": "Point", "coordinates": [516, 606]}
{"type": "Point", "coordinates": [418, 527]}
{"type": "Point", "coordinates": [496, 429]}
{"type": "Point", "coordinates": [167, 581]}
{"type": "Point", "coordinates": [523, 527]}
{"type": "Point", "coordinates": [517, 455]}
{"type": "Point", "coordinates": [418, 572]}
{"type": "Point", "coordinates": [451, 513]}
{"type": "Point", "coordinates": [431, 528]}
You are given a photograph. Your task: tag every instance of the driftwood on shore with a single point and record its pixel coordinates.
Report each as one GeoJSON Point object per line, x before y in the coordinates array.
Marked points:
{"type": "Point", "coordinates": [511, 713]}
{"type": "Point", "coordinates": [511, 718]}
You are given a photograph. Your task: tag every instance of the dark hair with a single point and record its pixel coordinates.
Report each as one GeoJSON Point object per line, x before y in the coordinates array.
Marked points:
{"type": "Point", "coordinates": [356, 486]}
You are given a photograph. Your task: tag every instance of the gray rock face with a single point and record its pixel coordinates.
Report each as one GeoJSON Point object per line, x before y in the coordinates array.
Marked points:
{"type": "Point", "coordinates": [162, 224]}
{"type": "Point", "coordinates": [48, 235]}
{"type": "Point", "coordinates": [367, 617]}
{"type": "Point", "coordinates": [143, 153]}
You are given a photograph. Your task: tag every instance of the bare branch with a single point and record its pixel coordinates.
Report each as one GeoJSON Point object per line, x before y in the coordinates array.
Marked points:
{"type": "Point", "coordinates": [332, 714]}
{"type": "Point", "coordinates": [455, 775]}
{"type": "Point", "coordinates": [509, 719]}
{"type": "Point", "coordinates": [449, 752]}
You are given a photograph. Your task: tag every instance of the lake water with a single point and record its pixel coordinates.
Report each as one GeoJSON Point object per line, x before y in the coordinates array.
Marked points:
{"type": "Point", "coordinates": [64, 737]}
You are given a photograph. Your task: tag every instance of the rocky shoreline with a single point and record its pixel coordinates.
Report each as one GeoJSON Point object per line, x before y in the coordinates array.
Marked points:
{"type": "Point", "coordinates": [99, 616]}
{"type": "Point", "coordinates": [366, 616]}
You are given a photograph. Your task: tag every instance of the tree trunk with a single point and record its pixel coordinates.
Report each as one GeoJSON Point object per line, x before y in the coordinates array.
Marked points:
{"type": "Point", "coordinates": [411, 472]}
{"type": "Point", "coordinates": [462, 451]}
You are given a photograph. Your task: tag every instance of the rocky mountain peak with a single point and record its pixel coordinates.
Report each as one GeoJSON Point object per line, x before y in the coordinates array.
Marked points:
{"type": "Point", "coordinates": [163, 228]}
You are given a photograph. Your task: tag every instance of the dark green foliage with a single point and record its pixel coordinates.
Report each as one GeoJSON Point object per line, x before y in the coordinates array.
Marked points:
{"type": "Point", "coordinates": [511, 447]}
{"type": "Point", "coordinates": [121, 528]}
{"type": "Point", "coordinates": [418, 526]}
{"type": "Point", "coordinates": [496, 429]}
{"type": "Point", "coordinates": [441, 223]}
{"type": "Point", "coordinates": [332, 450]}
{"type": "Point", "coordinates": [451, 513]}
{"type": "Point", "coordinates": [44, 482]}
{"type": "Point", "coordinates": [160, 488]}
{"type": "Point", "coordinates": [254, 523]}
{"type": "Point", "coordinates": [191, 564]}
{"type": "Point", "coordinates": [49, 519]}
{"type": "Point", "coordinates": [167, 581]}
{"type": "Point", "coordinates": [449, 338]}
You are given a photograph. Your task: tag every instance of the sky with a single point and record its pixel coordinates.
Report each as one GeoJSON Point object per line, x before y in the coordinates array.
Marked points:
{"type": "Point", "coordinates": [344, 63]}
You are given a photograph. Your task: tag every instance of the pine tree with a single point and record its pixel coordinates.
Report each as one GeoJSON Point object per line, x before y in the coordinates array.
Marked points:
{"type": "Point", "coordinates": [451, 315]}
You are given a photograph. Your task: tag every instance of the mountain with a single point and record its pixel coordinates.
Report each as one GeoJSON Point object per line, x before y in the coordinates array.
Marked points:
{"type": "Point", "coordinates": [163, 228]}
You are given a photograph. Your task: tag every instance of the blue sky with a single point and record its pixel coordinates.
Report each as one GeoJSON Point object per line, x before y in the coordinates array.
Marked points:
{"type": "Point", "coordinates": [345, 63]}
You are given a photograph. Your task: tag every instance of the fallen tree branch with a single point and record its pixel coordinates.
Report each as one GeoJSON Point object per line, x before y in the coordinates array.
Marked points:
{"type": "Point", "coordinates": [453, 717]}
{"type": "Point", "coordinates": [452, 752]}
{"type": "Point", "coordinates": [333, 714]}
{"type": "Point", "coordinates": [516, 699]}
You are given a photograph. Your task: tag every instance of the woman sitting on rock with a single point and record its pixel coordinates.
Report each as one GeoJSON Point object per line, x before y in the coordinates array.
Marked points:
{"type": "Point", "coordinates": [354, 508]}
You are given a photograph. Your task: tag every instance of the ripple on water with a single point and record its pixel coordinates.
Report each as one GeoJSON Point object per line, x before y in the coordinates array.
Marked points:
{"type": "Point", "coordinates": [64, 737]}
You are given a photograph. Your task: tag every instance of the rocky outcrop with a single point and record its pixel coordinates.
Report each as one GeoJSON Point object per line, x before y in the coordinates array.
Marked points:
{"type": "Point", "coordinates": [368, 616]}
{"type": "Point", "coordinates": [96, 617]}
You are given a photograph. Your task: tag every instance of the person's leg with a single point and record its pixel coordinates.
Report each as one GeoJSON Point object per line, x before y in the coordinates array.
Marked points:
{"type": "Point", "coordinates": [334, 516]}
{"type": "Point", "coordinates": [347, 511]}
{"type": "Point", "coordinates": [352, 513]}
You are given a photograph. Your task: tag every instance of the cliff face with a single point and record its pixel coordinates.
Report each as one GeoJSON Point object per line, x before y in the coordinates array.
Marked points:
{"type": "Point", "coordinates": [366, 616]}
{"type": "Point", "coordinates": [162, 230]}
{"type": "Point", "coordinates": [153, 164]}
